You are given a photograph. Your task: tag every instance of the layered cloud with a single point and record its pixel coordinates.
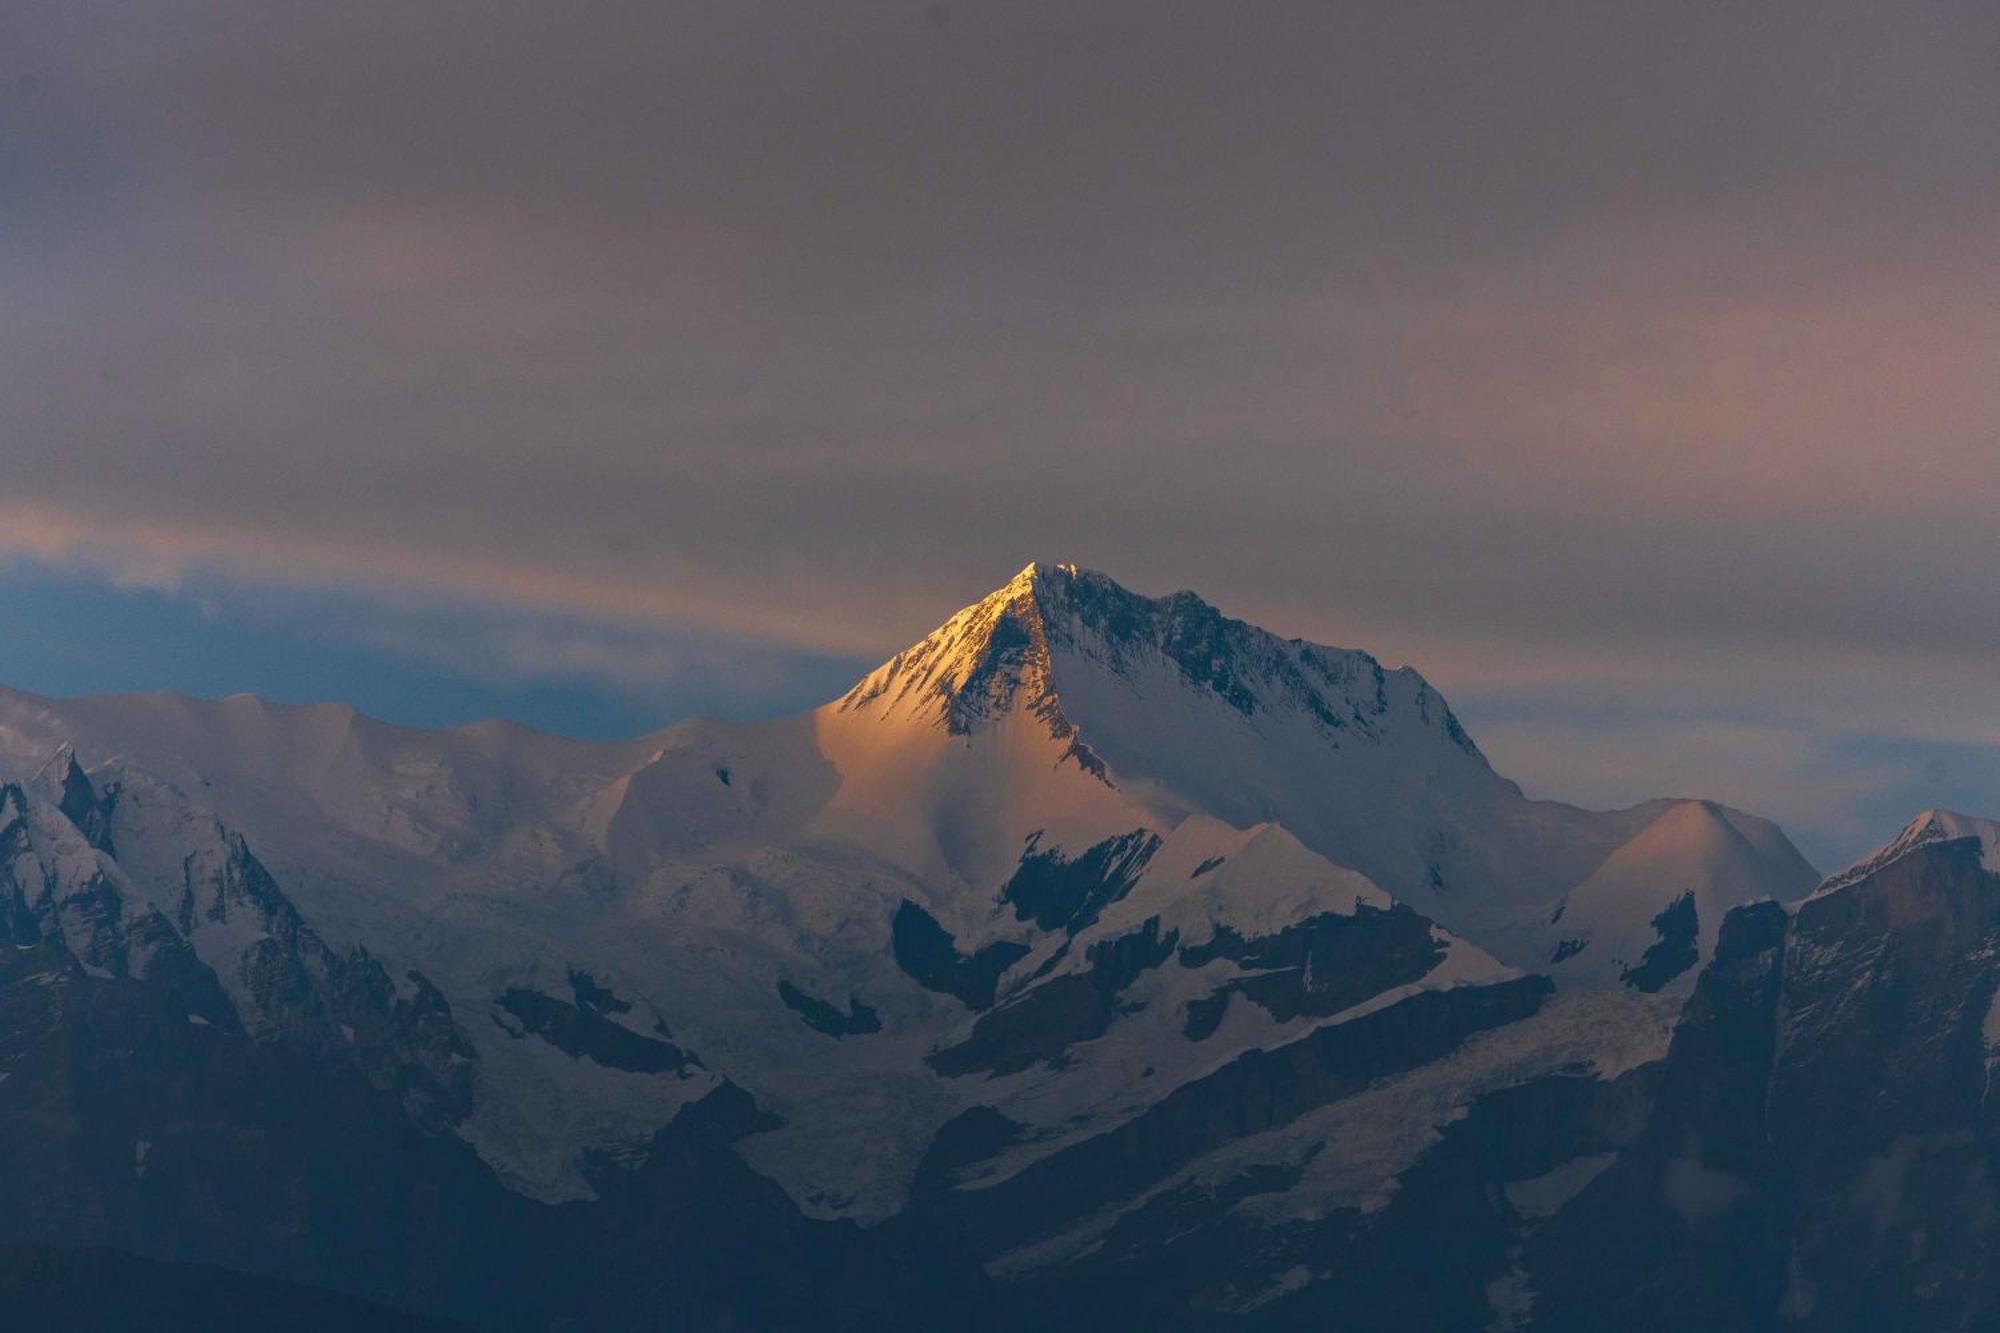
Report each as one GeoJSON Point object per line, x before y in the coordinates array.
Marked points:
{"type": "Point", "coordinates": [1561, 351]}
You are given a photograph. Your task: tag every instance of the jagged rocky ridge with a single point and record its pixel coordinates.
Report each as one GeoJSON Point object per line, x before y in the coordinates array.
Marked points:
{"type": "Point", "coordinates": [295, 1121]}
{"type": "Point", "coordinates": [1098, 961]}
{"type": "Point", "coordinates": [1821, 1154]}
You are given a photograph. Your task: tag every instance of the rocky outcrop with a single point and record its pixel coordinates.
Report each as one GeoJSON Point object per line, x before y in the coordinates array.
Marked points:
{"type": "Point", "coordinates": [1319, 966]}
{"type": "Point", "coordinates": [1254, 1092]}
{"type": "Point", "coordinates": [1042, 1022]}
{"type": "Point", "coordinates": [1067, 893]}
{"type": "Point", "coordinates": [819, 1015]}
{"type": "Point", "coordinates": [1822, 1152]}
{"type": "Point", "coordinates": [1674, 951]}
{"type": "Point", "coordinates": [929, 956]}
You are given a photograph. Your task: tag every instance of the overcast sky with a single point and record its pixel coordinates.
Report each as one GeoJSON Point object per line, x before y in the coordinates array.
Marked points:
{"type": "Point", "coordinates": [1630, 369]}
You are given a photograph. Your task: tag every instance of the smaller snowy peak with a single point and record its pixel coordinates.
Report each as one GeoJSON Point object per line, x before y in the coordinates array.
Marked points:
{"type": "Point", "coordinates": [59, 888]}
{"type": "Point", "coordinates": [57, 772]}
{"type": "Point", "coordinates": [1701, 837]}
{"type": "Point", "coordinates": [1651, 911]}
{"type": "Point", "coordinates": [64, 784]}
{"type": "Point", "coordinates": [1255, 881]}
{"type": "Point", "coordinates": [1927, 829]}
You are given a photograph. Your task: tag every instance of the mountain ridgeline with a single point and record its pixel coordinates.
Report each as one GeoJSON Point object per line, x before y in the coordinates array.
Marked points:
{"type": "Point", "coordinates": [1097, 962]}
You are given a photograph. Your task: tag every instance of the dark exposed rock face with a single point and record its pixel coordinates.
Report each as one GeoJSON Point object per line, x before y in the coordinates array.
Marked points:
{"type": "Point", "coordinates": [1057, 893]}
{"type": "Point", "coordinates": [1213, 652]}
{"type": "Point", "coordinates": [1320, 966]}
{"type": "Point", "coordinates": [856, 1020]}
{"type": "Point", "coordinates": [1037, 1025]}
{"type": "Point", "coordinates": [1565, 949]}
{"type": "Point", "coordinates": [287, 982]}
{"type": "Point", "coordinates": [1429, 1260]}
{"type": "Point", "coordinates": [1258, 1090]}
{"type": "Point", "coordinates": [1686, 1229]}
{"type": "Point", "coordinates": [586, 1033]}
{"type": "Point", "coordinates": [1880, 1099]}
{"type": "Point", "coordinates": [131, 1125]}
{"type": "Point", "coordinates": [929, 956]}
{"type": "Point", "coordinates": [82, 806]}
{"type": "Point", "coordinates": [304, 990]}
{"type": "Point", "coordinates": [1822, 1154]}
{"type": "Point", "coordinates": [1014, 641]}
{"type": "Point", "coordinates": [72, 909]}
{"type": "Point", "coordinates": [1675, 951]}
{"type": "Point", "coordinates": [1045, 1020]}
{"type": "Point", "coordinates": [599, 999]}
{"type": "Point", "coordinates": [971, 1136]}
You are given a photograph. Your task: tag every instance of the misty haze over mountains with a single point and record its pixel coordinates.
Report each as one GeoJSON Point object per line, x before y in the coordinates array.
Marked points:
{"type": "Point", "coordinates": [1097, 961]}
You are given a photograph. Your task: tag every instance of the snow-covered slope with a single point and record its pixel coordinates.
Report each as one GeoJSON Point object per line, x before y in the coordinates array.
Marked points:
{"type": "Point", "coordinates": [1649, 914]}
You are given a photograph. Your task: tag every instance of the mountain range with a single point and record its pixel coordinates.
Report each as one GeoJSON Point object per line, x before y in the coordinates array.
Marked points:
{"type": "Point", "coordinates": [1098, 961]}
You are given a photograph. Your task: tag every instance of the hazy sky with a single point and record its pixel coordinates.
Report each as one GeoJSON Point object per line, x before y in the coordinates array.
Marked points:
{"type": "Point", "coordinates": [1630, 369]}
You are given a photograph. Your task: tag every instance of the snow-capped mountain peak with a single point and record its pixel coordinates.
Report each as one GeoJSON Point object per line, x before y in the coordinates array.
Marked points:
{"type": "Point", "coordinates": [1062, 680]}
{"type": "Point", "coordinates": [976, 666]}
{"type": "Point", "coordinates": [1930, 826]}
{"type": "Point", "coordinates": [1653, 908]}
{"type": "Point", "coordinates": [1019, 647]}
